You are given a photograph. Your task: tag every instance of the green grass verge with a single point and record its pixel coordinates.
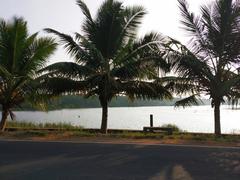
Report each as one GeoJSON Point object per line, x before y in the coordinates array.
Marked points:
{"type": "Point", "coordinates": [78, 131]}
{"type": "Point", "coordinates": [126, 135]}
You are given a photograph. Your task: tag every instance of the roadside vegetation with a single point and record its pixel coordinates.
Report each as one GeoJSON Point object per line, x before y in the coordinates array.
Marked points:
{"type": "Point", "coordinates": [175, 128]}
{"type": "Point", "coordinates": [68, 133]}
{"type": "Point", "coordinates": [29, 125]}
{"type": "Point", "coordinates": [65, 131]}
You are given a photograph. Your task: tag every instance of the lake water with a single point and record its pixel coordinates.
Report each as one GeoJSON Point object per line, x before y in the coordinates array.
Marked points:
{"type": "Point", "coordinates": [192, 119]}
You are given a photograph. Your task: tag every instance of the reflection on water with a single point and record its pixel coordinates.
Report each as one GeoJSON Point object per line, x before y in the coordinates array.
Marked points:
{"type": "Point", "coordinates": [194, 119]}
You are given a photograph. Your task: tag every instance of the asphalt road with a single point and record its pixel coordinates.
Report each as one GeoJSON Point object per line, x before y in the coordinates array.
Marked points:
{"type": "Point", "coordinates": [55, 160]}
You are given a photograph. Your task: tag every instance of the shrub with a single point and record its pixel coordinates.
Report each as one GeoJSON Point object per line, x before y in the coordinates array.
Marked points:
{"type": "Point", "coordinates": [173, 126]}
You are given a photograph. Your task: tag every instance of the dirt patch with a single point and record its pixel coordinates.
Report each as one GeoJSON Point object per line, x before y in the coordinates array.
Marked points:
{"type": "Point", "coordinates": [116, 139]}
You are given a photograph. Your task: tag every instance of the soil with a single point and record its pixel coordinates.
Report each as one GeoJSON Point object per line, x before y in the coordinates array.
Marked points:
{"type": "Point", "coordinates": [68, 137]}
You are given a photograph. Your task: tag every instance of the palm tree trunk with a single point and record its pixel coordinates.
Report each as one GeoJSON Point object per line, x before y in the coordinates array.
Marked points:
{"type": "Point", "coordinates": [217, 118]}
{"type": "Point", "coordinates": [3, 122]}
{"type": "Point", "coordinates": [104, 117]}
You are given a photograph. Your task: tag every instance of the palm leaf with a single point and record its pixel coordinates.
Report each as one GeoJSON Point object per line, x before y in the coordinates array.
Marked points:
{"type": "Point", "coordinates": [189, 101]}
{"type": "Point", "coordinates": [22, 55]}
{"type": "Point", "coordinates": [67, 69]}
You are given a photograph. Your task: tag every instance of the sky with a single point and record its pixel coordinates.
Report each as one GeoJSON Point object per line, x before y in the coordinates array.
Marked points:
{"type": "Point", "coordinates": [65, 16]}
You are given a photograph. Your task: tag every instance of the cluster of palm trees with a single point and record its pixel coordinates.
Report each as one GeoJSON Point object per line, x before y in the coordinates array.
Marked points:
{"type": "Point", "coordinates": [110, 60]}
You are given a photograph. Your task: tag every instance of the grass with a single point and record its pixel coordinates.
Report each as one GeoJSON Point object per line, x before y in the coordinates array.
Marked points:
{"type": "Point", "coordinates": [138, 135]}
{"type": "Point", "coordinates": [69, 131]}
{"type": "Point", "coordinates": [29, 125]}
{"type": "Point", "coordinates": [30, 133]}
{"type": "Point", "coordinates": [160, 136]}
{"type": "Point", "coordinates": [205, 137]}
{"type": "Point", "coordinates": [176, 137]}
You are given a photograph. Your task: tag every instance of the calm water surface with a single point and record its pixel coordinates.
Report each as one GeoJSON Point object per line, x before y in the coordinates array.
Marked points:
{"type": "Point", "coordinates": [193, 119]}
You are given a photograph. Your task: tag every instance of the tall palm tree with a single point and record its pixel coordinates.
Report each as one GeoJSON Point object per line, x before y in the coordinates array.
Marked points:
{"type": "Point", "coordinates": [21, 56]}
{"type": "Point", "coordinates": [109, 58]}
{"type": "Point", "coordinates": [210, 62]}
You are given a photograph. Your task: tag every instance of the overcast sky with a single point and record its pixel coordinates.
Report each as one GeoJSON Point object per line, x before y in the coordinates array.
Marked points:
{"type": "Point", "coordinates": [65, 16]}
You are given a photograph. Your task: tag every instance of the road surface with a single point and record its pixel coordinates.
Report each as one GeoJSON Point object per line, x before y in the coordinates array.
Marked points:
{"type": "Point", "coordinates": [86, 161]}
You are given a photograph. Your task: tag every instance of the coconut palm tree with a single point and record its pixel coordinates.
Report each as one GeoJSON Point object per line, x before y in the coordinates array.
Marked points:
{"type": "Point", "coordinates": [210, 62]}
{"type": "Point", "coordinates": [21, 56]}
{"type": "Point", "coordinates": [109, 59]}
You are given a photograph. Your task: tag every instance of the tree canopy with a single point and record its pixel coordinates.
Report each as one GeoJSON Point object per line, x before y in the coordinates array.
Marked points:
{"type": "Point", "coordinates": [21, 56]}
{"type": "Point", "coordinates": [210, 62]}
{"type": "Point", "coordinates": [109, 58]}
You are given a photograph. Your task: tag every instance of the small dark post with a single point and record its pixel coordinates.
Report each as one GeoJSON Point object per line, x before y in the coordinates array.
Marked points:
{"type": "Point", "coordinates": [151, 120]}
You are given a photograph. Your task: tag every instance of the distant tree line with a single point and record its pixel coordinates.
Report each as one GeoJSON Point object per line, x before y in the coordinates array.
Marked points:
{"type": "Point", "coordinates": [68, 102]}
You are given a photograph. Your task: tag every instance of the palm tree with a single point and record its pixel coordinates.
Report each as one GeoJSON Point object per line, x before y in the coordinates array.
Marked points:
{"type": "Point", "coordinates": [210, 62]}
{"type": "Point", "coordinates": [21, 55]}
{"type": "Point", "coordinates": [109, 58]}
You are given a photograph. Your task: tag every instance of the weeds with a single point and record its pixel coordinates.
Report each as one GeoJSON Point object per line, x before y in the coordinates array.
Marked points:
{"type": "Point", "coordinates": [41, 130]}
{"type": "Point", "coordinates": [29, 125]}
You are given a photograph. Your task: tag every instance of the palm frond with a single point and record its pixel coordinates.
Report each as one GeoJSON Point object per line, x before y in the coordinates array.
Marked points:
{"type": "Point", "coordinates": [94, 57]}
{"type": "Point", "coordinates": [67, 70]}
{"type": "Point", "coordinates": [40, 50]}
{"type": "Point", "coordinates": [189, 101]}
{"type": "Point", "coordinates": [145, 90]}
{"type": "Point", "coordinates": [133, 19]}
{"type": "Point", "coordinates": [179, 85]}
{"type": "Point", "coordinates": [190, 22]}
{"type": "Point", "coordinates": [85, 10]}
{"type": "Point", "coordinates": [58, 86]}
{"type": "Point", "coordinates": [65, 39]}
{"type": "Point", "coordinates": [21, 55]}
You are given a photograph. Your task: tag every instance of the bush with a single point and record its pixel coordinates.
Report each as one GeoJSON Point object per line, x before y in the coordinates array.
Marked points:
{"type": "Point", "coordinates": [173, 126]}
